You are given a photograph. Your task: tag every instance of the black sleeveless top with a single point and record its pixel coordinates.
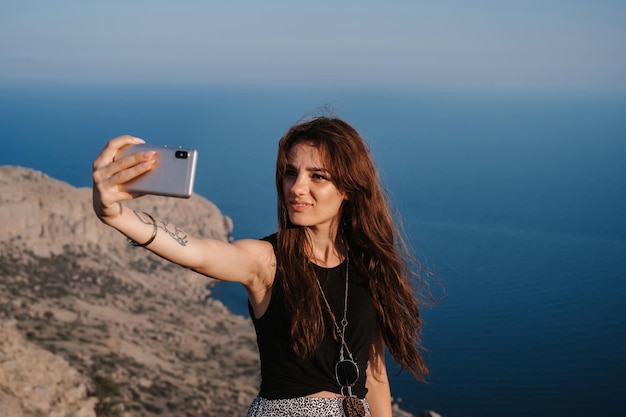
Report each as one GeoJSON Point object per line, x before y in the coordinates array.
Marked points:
{"type": "Point", "coordinates": [282, 375]}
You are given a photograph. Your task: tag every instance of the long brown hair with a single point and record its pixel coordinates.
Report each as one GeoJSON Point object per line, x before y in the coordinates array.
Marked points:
{"type": "Point", "coordinates": [377, 247]}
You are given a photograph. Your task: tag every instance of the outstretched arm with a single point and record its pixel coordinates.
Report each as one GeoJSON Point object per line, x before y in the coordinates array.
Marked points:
{"type": "Point", "coordinates": [249, 262]}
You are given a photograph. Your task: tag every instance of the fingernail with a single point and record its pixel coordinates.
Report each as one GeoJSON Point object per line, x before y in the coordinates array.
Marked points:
{"type": "Point", "coordinates": [138, 140]}
{"type": "Point", "coordinates": [148, 154]}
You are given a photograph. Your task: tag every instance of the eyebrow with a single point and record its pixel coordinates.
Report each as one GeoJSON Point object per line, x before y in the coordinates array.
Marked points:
{"type": "Point", "coordinates": [311, 169]}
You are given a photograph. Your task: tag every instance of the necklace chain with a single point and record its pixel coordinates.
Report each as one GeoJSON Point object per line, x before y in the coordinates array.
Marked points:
{"type": "Point", "coordinates": [344, 321]}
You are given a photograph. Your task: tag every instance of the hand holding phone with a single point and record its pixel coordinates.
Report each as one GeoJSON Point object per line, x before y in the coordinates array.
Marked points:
{"type": "Point", "coordinates": [173, 174]}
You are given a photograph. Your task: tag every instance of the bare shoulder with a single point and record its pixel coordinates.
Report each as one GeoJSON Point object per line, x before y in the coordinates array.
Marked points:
{"type": "Point", "coordinates": [255, 247]}
{"type": "Point", "coordinates": [261, 254]}
{"type": "Point", "coordinates": [263, 262]}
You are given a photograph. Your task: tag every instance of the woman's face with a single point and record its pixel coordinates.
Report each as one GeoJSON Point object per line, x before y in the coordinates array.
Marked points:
{"type": "Point", "coordinates": [312, 198]}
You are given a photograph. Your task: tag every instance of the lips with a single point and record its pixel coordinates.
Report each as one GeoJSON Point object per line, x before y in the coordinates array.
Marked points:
{"type": "Point", "coordinates": [298, 205]}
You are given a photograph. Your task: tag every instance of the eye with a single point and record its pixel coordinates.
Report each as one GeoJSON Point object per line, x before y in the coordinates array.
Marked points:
{"type": "Point", "coordinates": [290, 173]}
{"type": "Point", "coordinates": [318, 177]}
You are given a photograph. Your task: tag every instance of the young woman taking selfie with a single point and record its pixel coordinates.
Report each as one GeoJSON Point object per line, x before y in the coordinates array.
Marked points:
{"type": "Point", "coordinates": [327, 293]}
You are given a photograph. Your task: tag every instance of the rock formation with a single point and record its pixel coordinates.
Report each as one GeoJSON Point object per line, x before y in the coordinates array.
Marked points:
{"type": "Point", "coordinates": [144, 333]}
{"type": "Point", "coordinates": [57, 391]}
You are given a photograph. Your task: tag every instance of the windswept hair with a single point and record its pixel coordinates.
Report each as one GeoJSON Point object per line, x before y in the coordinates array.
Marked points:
{"type": "Point", "coordinates": [376, 245]}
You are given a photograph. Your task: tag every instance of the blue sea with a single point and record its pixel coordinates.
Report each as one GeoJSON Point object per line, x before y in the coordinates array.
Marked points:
{"type": "Point", "coordinates": [517, 200]}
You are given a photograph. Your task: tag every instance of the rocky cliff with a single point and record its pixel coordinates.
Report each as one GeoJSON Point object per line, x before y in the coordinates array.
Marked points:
{"type": "Point", "coordinates": [90, 326]}
{"type": "Point", "coordinates": [140, 336]}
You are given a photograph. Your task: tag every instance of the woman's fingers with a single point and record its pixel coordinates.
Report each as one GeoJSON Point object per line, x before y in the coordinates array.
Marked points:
{"type": "Point", "coordinates": [109, 174]}
{"type": "Point", "coordinates": [107, 155]}
{"type": "Point", "coordinates": [107, 169]}
{"type": "Point", "coordinates": [130, 167]}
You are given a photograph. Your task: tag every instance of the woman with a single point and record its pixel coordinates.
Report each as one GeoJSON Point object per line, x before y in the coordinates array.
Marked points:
{"type": "Point", "coordinates": [327, 292]}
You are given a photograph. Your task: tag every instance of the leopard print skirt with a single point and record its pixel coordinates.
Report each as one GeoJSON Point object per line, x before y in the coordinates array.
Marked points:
{"type": "Point", "coordinates": [299, 407]}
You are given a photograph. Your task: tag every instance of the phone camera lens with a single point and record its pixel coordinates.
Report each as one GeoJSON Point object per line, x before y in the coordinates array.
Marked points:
{"type": "Point", "coordinates": [182, 154]}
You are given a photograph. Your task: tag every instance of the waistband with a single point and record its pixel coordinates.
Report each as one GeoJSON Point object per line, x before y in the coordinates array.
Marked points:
{"type": "Point", "coordinates": [300, 407]}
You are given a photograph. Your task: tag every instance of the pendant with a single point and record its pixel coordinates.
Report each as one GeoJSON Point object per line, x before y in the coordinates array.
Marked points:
{"type": "Point", "coordinates": [352, 407]}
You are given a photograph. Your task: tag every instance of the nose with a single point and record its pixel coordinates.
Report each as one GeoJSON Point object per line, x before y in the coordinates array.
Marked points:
{"type": "Point", "coordinates": [300, 185]}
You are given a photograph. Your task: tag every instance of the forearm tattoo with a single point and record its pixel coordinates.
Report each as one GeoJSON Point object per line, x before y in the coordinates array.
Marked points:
{"type": "Point", "coordinates": [178, 234]}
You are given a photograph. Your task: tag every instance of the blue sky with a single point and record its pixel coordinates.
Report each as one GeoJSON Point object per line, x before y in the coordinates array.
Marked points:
{"type": "Point", "coordinates": [531, 44]}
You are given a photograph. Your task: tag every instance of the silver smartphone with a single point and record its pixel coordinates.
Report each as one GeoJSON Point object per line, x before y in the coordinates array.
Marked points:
{"type": "Point", "coordinates": [173, 175]}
